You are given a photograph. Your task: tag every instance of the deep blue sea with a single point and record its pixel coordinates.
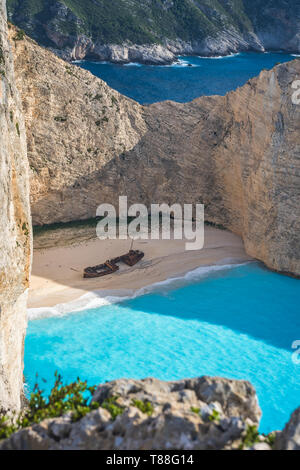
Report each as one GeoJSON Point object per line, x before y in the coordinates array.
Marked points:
{"type": "Point", "coordinates": [207, 76]}
{"type": "Point", "coordinates": [237, 323]}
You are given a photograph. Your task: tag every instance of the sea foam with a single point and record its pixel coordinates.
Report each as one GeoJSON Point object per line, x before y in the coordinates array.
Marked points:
{"type": "Point", "coordinates": [133, 64]}
{"type": "Point", "coordinates": [102, 298]}
{"type": "Point", "coordinates": [220, 56]}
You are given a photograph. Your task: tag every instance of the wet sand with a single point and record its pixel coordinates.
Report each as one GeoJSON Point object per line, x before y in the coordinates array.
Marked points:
{"type": "Point", "coordinates": [57, 271]}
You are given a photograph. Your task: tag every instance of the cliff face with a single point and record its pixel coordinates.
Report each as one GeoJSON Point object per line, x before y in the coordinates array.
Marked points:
{"type": "Point", "coordinates": [156, 31]}
{"type": "Point", "coordinates": [15, 228]}
{"type": "Point", "coordinates": [265, 177]}
{"type": "Point", "coordinates": [238, 154]}
{"type": "Point", "coordinates": [75, 125]}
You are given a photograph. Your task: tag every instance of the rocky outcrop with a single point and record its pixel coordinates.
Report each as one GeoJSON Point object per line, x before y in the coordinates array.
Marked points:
{"type": "Point", "coordinates": [238, 154]}
{"type": "Point", "coordinates": [289, 438]}
{"type": "Point", "coordinates": [225, 43]}
{"type": "Point", "coordinates": [15, 228]}
{"type": "Point", "coordinates": [206, 413]}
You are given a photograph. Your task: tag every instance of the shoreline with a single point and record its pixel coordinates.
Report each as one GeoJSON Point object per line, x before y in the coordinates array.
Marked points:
{"type": "Point", "coordinates": [101, 298]}
{"type": "Point", "coordinates": [57, 271]}
{"type": "Point", "coordinates": [178, 58]}
{"type": "Point", "coordinates": [166, 63]}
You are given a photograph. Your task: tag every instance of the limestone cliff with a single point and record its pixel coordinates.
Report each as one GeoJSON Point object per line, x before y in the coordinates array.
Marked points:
{"type": "Point", "coordinates": [75, 125]}
{"type": "Point", "coordinates": [238, 154]}
{"type": "Point", "coordinates": [15, 228]}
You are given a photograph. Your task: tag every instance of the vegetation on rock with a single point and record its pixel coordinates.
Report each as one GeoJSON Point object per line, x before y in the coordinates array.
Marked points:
{"type": "Point", "coordinates": [144, 21]}
{"type": "Point", "coordinates": [144, 406]}
{"type": "Point", "coordinates": [74, 398]}
{"type": "Point", "coordinates": [149, 413]}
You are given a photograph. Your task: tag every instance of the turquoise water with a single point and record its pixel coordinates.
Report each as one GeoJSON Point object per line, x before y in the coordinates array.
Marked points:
{"type": "Point", "coordinates": [238, 323]}
{"type": "Point", "coordinates": [148, 84]}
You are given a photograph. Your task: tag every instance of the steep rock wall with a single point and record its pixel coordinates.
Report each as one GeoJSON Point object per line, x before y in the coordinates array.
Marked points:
{"type": "Point", "coordinates": [15, 228]}
{"type": "Point", "coordinates": [238, 154]}
{"type": "Point", "coordinates": [75, 125]}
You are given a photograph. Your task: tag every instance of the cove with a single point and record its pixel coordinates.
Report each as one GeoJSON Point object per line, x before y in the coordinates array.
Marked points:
{"type": "Point", "coordinates": [181, 82]}
{"type": "Point", "coordinates": [237, 323]}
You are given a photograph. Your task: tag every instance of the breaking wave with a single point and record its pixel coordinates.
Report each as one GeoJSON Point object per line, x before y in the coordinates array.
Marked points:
{"type": "Point", "coordinates": [98, 299]}
{"type": "Point", "coordinates": [220, 56]}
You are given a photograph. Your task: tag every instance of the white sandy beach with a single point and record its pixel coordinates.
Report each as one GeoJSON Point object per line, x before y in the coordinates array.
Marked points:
{"type": "Point", "coordinates": [57, 271]}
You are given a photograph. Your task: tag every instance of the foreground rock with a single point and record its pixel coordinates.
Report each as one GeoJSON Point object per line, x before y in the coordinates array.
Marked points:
{"type": "Point", "coordinates": [238, 154]}
{"type": "Point", "coordinates": [205, 413]}
{"type": "Point", "coordinates": [289, 438]}
{"type": "Point", "coordinates": [15, 229]}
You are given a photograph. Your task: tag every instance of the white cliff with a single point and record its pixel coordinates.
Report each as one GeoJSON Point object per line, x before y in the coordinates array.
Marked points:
{"type": "Point", "coordinates": [15, 228]}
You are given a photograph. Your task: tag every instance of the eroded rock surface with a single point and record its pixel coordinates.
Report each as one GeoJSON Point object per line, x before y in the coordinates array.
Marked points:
{"type": "Point", "coordinates": [75, 124]}
{"type": "Point", "coordinates": [15, 229]}
{"type": "Point", "coordinates": [203, 413]}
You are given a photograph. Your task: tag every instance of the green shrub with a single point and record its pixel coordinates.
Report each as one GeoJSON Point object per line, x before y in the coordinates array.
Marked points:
{"type": "Point", "coordinates": [144, 406]}
{"type": "Point", "coordinates": [270, 439]}
{"type": "Point", "coordinates": [75, 398]}
{"type": "Point", "coordinates": [195, 410]}
{"type": "Point", "coordinates": [214, 416]}
{"type": "Point", "coordinates": [251, 437]}
{"type": "Point", "coordinates": [19, 35]}
{"type": "Point", "coordinates": [110, 405]}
